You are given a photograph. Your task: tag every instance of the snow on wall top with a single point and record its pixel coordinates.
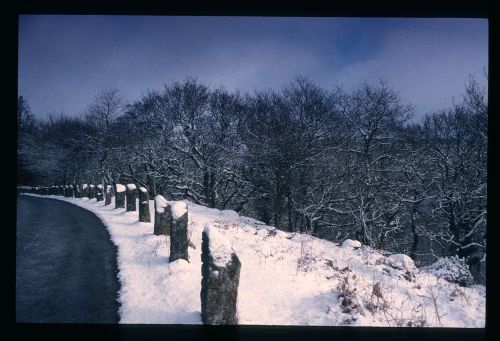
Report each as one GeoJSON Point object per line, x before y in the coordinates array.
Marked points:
{"type": "Point", "coordinates": [160, 204]}
{"type": "Point", "coordinates": [120, 188]}
{"type": "Point", "coordinates": [143, 189]}
{"type": "Point", "coordinates": [84, 186]}
{"type": "Point", "coordinates": [218, 245]}
{"type": "Point", "coordinates": [179, 208]}
{"type": "Point", "coordinates": [131, 187]}
{"type": "Point", "coordinates": [91, 186]}
{"type": "Point", "coordinates": [108, 187]}
{"type": "Point", "coordinates": [99, 186]}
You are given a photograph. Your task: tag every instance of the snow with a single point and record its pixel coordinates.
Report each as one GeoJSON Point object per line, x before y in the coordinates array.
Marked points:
{"type": "Point", "coordinates": [285, 278]}
{"type": "Point", "coordinates": [161, 203]}
{"type": "Point", "coordinates": [143, 189]}
{"type": "Point", "coordinates": [131, 187]}
{"type": "Point", "coordinates": [402, 261]}
{"type": "Point", "coordinates": [349, 243]}
{"type": "Point", "coordinates": [120, 188]}
{"type": "Point", "coordinates": [99, 186]}
{"type": "Point", "coordinates": [178, 266]}
{"type": "Point", "coordinates": [179, 208]}
{"type": "Point", "coordinates": [84, 186]}
{"type": "Point", "coordinates": [219, 247]}
{"type": "Point", "coordinates": [91, 186]}
{"type": "Point", "coordinates": [451, 269]}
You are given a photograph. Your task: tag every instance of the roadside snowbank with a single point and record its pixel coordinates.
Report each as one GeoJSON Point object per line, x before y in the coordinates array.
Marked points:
{"type": "Point", "coordinates": [286, 278]}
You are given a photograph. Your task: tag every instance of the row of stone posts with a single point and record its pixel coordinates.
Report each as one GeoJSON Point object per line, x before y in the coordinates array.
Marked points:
{"type": "Point", "coordinates": [220, 279]}
{"type": "Point", "coordinates": [220, 264]}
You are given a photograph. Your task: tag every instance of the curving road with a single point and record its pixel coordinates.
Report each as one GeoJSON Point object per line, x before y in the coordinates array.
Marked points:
{"type": "Point", "coordinates": [66, 268]}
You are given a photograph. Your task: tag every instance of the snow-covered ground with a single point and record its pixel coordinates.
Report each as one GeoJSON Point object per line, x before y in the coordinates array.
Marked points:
{"type": "Point", "coordinates": [286, 278]}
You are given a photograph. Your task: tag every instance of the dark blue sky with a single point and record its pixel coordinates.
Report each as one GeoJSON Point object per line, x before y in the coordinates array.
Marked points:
{"type": "Point", "coordinates": [64, 61]}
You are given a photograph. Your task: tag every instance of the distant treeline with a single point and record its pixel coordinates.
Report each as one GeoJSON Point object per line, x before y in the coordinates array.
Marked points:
{"type": "Point", "coordinates": [328, 162]}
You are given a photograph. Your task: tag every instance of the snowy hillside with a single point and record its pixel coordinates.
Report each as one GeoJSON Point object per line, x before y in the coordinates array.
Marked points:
{"type": "Point", "coordinates": [286, 278]}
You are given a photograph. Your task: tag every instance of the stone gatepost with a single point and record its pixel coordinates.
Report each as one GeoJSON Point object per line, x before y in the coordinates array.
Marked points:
{"type": "Point", "coordinates": [163, 216]}
{"type": "Point", "coordinates": [85, 191]}
{"type": "Point", "coordinates": [131, 197]}
{"type": "Point", "coordinates": [108, 194]}
{"type": "Point", "coordinates": [119, 196]}
{"type": "Point", "coordinates": [78, 191]}
{"type": "Point", "coordinates": [92, 191]}
{"type": "Point", "coordinates": [99, 193]}
{"type": "Point", "coordinates": [220, 279]}
{"type": "Point", "coordinates": [179, 240]}
{"type": "Point", "coordinates": [144, 215]}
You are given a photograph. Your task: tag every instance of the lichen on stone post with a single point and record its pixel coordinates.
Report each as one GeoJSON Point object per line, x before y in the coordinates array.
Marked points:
{"type": "Point", "coordinates": [179, 240]}
{"type": "Point", "coordinates": [131, 198]}
{"type": "Point", "coordinates": [144, 215]}
{"type": "Point", "coordinates": [163, 216]}
{"type": "Point", "coordinates": [220, 272]}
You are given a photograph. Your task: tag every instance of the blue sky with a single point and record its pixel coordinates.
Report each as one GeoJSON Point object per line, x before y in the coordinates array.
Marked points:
{"type": "Point", "coordinates": [64, 61]}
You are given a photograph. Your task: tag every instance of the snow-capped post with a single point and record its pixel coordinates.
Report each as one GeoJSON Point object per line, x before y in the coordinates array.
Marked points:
{"type": "Point", "coordinates": [92, 193]}
{"type": "Point", "coordinates": [78, 191]}
{"type": "Point", "coordinates": [119, 196]}
{"type": "Point", "coordinates": [163, 216]}
{"type": "Point", "coordinates": [131, 196]}
{"type": "Point", "coordinates": [179, 240]}
{"type": "Point", "coordinates": [144, 215]}
{"type": "Point", "coordinates": [85, 191]}
{"type": "Point", "coordinates": [220, 272]}
{"type": "Point", "coordinates": [99, 193]}
{"type": "Point", "coordinates": [108, 194]}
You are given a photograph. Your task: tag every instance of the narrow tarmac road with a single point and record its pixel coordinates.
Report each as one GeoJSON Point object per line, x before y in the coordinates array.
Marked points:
{"type": "Point", "coordinates": [66, 269]}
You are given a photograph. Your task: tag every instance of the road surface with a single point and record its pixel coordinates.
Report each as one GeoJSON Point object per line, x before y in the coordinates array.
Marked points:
{"type": "Point", "coordinates": [66, 268]}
